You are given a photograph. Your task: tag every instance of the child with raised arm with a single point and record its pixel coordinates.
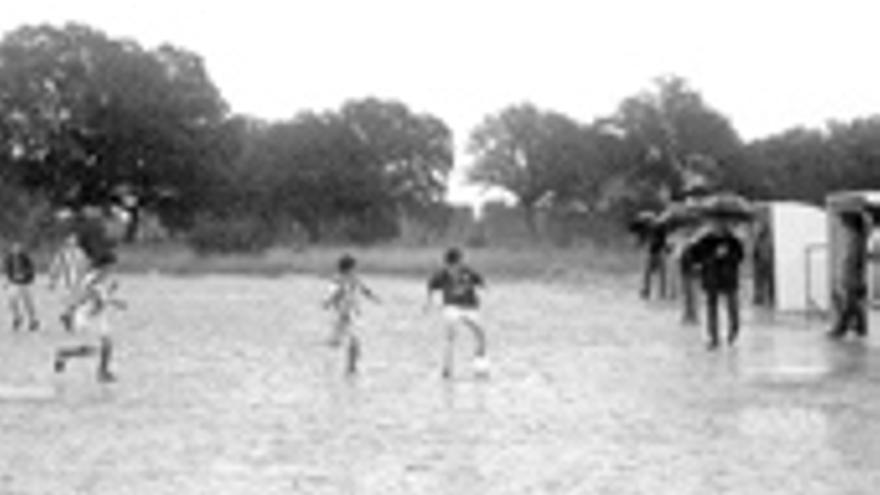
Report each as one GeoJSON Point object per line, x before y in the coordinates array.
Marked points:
{"type": "Point", "coordinates": [90, 322]}
{"type": "Point", "coordinates": [458, 284]}
{"type": "Point", "coordinates": [344, 301]}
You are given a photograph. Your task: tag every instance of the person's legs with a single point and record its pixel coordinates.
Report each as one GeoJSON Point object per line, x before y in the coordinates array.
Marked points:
{"type": "Point", "coordinates": [452, 317]}
{"type": "Point", "coordinates": [646, 276]}
{"type": "Point", "coordinates": [15, 306]}
{"type": "Point", "coordinates": [30, 312]}
{"type": "Point", "coordinates": [479, 334]}
{"type": "Point", "coordinates": [732, 297]}
{"type": "Point", "coordinates": [79, 351]}
{"type": "Point", "coordinates": [105, 354]}
{"type": "Point", "coordinates": [689, 291]}
{"type": "Point", "coordinates": [352, 354]}
{"type": "Point", "coordinates": [712, 318]}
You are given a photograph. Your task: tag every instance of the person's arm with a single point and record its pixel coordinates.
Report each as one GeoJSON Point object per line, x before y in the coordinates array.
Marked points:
{"type": "Point", "coordinates": [369, 292]}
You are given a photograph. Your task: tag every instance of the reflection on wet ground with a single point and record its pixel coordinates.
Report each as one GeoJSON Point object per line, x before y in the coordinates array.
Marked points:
{"type": "Point", "coordinates": [592, 391]}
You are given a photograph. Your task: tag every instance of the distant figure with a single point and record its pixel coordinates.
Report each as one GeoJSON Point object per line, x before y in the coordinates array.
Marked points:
{"type": "Point", "coordinates": [92, 328]}
{"type": "Point", "coordinates": [688, 274]}
{"type": "Point", "coordinates": [850, 298]}
{"type": "Point", "coordinates": [20, 275]}
{"type": "Point", "coordinates": [344, 300]}
{"type": "Point", "coordinates": [718, 254]}
{"type": "Point", "coordinates": [67, 269]}
{"type": "Point", "coordinates": [458, 284]}
{"type": "Point", "coordinates": [653, 236]}
{"type": "Point", "coordinates": [762, 263]}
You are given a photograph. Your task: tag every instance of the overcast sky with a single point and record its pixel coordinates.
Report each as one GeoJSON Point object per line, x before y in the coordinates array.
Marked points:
{"type": "Point", "coordinates": [767, 65]}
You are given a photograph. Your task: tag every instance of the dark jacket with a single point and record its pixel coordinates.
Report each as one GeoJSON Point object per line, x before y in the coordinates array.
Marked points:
{"type": "Point", "coordinates": [718, 255]}
{"type": "Point", "coordinates": [19, 268]}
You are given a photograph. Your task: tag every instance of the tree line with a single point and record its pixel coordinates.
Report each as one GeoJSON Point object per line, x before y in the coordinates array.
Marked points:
{"type": "Point", "coordinates": [86, 119]}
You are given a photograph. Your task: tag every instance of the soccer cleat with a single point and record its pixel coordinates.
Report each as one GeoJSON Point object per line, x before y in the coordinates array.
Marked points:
{"type": "Point", "coordinates": [106, 377]}
{"type": "Point", "coordinates": [481, 367]}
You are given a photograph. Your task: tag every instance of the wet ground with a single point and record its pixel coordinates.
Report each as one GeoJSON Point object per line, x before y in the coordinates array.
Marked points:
{"type": "Point", "coordinates": [226, 387]}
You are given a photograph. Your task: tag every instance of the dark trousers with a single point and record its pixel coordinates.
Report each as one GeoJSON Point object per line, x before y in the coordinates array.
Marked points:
{"type": "Point", "coordinates": [655, 265]}
{"type": "Point", "coordinates": [731, 299]}
{"type": "Point", "coordinates": [689, 292]}
{"type": "Point", "coordinates": [851, 314]}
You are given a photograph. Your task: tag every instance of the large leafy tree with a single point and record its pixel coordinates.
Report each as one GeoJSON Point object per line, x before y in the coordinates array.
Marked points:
{"type": "Point", "coordinates": [413, 152]}
{"type": "Point", "coordinates": [538, 156]}
{"type": "Point", "coordinates": [668, 123]}
{"type": "Point", "coordinates": [86, 119]}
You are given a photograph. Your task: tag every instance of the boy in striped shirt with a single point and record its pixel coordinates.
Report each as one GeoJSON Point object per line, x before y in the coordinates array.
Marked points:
{"type": "Point", "coordinates": [344, 300]}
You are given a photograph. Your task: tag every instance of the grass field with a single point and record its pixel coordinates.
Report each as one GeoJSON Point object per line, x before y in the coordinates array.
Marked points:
{"type": "Point", "coordinates": [541, 263]}
{"type": "Point", "coordinates": [226, 387]}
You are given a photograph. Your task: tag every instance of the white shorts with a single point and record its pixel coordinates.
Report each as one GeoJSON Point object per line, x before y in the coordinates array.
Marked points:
{"type": "Point", "coordinates": [89, 324]}
{"type": "Point", "coordinates": [455, 315]}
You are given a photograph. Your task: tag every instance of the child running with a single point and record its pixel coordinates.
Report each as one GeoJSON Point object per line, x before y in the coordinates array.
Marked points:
{"type": "Point", "coordinates": [344, 300]}
{"type": "Point", "coordinates": [90, 322]}
{"type": "Point", "coordinates": [68, 269]}
{"type": "Point", "coordinates": [458, 283]}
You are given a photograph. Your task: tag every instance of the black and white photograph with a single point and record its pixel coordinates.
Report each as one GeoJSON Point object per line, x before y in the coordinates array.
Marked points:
{"type": "Point", "coordinates": [391, 247]}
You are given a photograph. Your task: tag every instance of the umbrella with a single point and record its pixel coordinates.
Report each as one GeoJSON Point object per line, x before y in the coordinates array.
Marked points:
{"type": "Point", "coordinates": [728, 207]}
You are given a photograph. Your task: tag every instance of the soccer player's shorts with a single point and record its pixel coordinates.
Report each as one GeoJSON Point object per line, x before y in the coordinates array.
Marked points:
{"type": "Point", "coordinates": [455, 315]}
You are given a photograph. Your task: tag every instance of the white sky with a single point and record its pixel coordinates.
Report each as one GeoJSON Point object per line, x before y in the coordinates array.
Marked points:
{"type": "Point", "coordinates": [766, 64]}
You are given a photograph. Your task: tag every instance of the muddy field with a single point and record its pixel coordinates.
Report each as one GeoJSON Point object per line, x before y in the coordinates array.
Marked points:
{"type": "Point", "coordinates": [226, 387]}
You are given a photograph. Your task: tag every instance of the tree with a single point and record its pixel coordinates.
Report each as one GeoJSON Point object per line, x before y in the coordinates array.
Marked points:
{"type": "Point", "coordinates": [536, 155]}
{"type": "Point", "coordinates": [86, 119]}
{"type": "Point", "coordinates": [414, 152]}
{"type": "Point", "coordinates": [666, 125]}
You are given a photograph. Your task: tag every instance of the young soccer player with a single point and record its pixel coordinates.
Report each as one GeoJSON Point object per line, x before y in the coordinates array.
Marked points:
{"type": "Point", "coordinates": [20, 275]}
{"type": "Point", "coordinates": [458, 284]}
{"type": "Point", "coordinates": [67, 269]}
{"type": "Point", "coordinates": [344, 300]}
{"type": "Point", "coordinates": [91, 324]}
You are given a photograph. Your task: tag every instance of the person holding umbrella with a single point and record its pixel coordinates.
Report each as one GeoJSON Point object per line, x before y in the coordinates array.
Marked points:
{"type": "Point", "coordinates": [718, 254]}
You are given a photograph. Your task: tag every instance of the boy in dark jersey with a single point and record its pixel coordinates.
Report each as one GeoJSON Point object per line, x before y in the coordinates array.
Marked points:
{"type": "Point", "coordinates": [458, 285]}
{"type": "Point", "coordinates": [20, 274]}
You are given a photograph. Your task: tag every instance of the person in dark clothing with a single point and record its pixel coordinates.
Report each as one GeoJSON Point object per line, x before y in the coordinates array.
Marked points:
{"type": "Point", "coordinates": [688, 273]}
{"type": "Point", "coordinates": [458, 284]}
{"type": "Point", "coordinates": [655, 264]}
{"type": "Point", "coordinates": [20, 275]}
{"type": "Point", "coordinates": [762, 262]}
{"type": "Point", "coordinates": [719, 254]}
{"type": "Point", "coordinates": [850, 300]}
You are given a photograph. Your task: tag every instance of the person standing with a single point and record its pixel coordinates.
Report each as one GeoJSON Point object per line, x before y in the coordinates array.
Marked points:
{"type": "Point", "coordinates": [718, 255]}
{"type": "Point", "coordinates": [458, 284]}
{"type": "Point", "coordinates": [20, 275]}
{"type": "Point", "coordinates": [850, 300]}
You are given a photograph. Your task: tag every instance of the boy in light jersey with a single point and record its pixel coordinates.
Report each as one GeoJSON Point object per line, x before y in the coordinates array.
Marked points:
{"type": "Point", "coordinates": [344, 300]}
{"type": "Point", "coordinates": [90, 321]}
{"type": "Point", "coordinates": [458, 284]}
{"type": "Point", "coordinates": [67, 269]}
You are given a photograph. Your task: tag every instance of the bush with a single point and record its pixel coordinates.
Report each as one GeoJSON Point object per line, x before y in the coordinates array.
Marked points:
{"type": "Point", "coordinates": [230, 235]}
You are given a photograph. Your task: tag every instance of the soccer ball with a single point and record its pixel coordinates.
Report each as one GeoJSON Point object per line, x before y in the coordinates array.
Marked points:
{"type": "Point", "coordinates": [481, 367]}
